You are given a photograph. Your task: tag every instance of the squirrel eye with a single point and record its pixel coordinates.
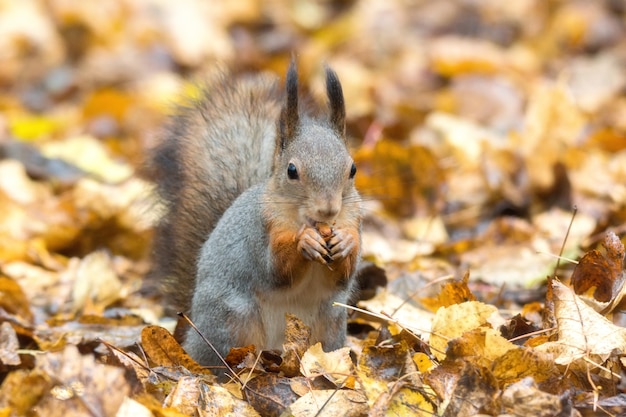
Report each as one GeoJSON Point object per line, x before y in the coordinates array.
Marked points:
{"type": "Point", "coordinates": [353, 171]}
{"type": "Point", "coordinates": [292, 172]}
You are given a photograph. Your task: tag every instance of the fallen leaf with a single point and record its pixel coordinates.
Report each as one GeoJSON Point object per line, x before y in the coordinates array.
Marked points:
{"type": "Point", "coordinates": [523, 398]}
{"type": "Point", "coordinates": [481, 346]}
{"type": "Point", "coordinates": [418, 320]}
{"type": "Point", "coordinates": [79, 385]}
{"type": "Point", "coordinates": [405, 401]}
{"type": "Point", "coordinates": [599, 278]}
{"type": "Point", "coordinates": [582, 332]}
{"type": "Point", "coordinates": [297, 341]}
{"type": "Point", "coordinates": [464, 388]}
{"type": "Point", "coordinates": [90, 155]}
{"type": "Point", "coordinates": [270, 394]}
{"type": "Point", "coordinates": [8, 345]}
{"type": "Point", "coordinates": [96, 284]}
{"type": "Point", "coordinates": [380, 366]}
{"type": "Point", "coordinates": [193, 395]}
{"type": "Point", "coordinates": [329, 403]}
{"type": "Point", "coordinates": [451, 322]}
{"type": "Point", "coordinates": [517, 364]}
{"type": "Point", "coordinates": [163, 350]}
{"type": "Point", "coordinates": [335, 366]}
{"type": "Point", "coordinates": [13, 300]}
{"type": "Point", "coordinates": [454, 292]}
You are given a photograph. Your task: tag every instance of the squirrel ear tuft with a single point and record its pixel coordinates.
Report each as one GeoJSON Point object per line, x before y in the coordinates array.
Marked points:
{"type": "Point", "coordinates": [289, 117]}
{"type": "Point", "coordinates": [336, 103]}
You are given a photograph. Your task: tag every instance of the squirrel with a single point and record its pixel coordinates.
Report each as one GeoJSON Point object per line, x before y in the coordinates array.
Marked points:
{"type": "Point", "coordinates": [262, 215]}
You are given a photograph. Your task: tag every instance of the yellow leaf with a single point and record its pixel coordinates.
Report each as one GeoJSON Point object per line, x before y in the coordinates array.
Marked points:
{"type": "Point", "coordinates": [451, 322]}
{"type": "Point", "coordinates": [30, 127]}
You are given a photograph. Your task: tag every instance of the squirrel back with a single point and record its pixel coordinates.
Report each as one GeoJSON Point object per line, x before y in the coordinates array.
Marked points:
{"type": "Point", "coordinates": [213, 149]}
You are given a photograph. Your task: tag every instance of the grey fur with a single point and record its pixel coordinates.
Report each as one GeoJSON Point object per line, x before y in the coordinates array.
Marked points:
{"type": "Point", "coordinates": [226, 186]}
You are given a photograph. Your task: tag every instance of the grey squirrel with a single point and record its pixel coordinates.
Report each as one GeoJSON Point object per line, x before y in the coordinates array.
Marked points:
{"type": "Point", "coordinates": [262, 218]}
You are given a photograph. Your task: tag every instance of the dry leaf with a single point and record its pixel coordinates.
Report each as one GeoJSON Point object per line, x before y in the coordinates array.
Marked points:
{"type": "Point", "coordinates": [88, 154]}
{"type": "Point", "coordinates": [454, 292]}
{"type": "Point", "coordinates": [132, 408]}
{"type": "Point", "coordinates": [13, 300]}
{"type": "Point", "coordinates": [480, 346]}
{"type": "Point", "coordinates": [335, 366]}
{"type": "Point", "coordinates": [524, 399]}
{"type": "Point", "coordinates": [96, 285]}
{"type": "Point", "coordinates": [297, 336]}
{"type": "Point", "coordinates": [193, 395]}
{"type": "Point", "coordinates": [380, 366]}
{"type": "Point", "coordinates": [8, 345]}
{"type": "Point", "coordinates": [163, 350]}
{"type": "Point", "coordinates": [270, 394]}
{"type": "Point", "coordinates": [582, 332]}
{"type": "Point", "coordinates": [516, 364]}
{"type": "Point", "coordinates": [599, 279]}
{"type": "Point", "coordinates": [451, 322]}
{"type": "Point", "coordinates": [417, 320]}
{"type": "Point", "coordinates": [329, 403]}
{"type": "Point", "coordinates": [79, 385]}
{"type": "Point", "coordinates": [466, 389]}
{"type": "Point", "coordinates": [404, 401]}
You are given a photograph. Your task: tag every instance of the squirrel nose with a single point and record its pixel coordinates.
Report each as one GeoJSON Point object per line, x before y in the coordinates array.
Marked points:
{"type": "Point", "coordinates": [328, 210]}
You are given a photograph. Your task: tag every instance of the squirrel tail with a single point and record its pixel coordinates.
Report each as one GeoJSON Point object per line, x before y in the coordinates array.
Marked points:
{"type": "Point", "coordinates": [213, 149]}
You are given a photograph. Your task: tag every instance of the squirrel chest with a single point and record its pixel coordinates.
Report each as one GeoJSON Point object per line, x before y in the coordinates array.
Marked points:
{"type": "Point", "coordinates": [307, 300]}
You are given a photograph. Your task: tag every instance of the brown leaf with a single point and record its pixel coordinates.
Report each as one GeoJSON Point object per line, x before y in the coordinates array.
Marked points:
{"type": "Point", "coordinates": [122, 332]}
{"type": "Point", "coordinates": [297, 336]}
{"type": "Point", "coordinates": [21, 401]}
{"type": "Point", "coordinates": [451, 322]}
{"type": "Point", "coordinates": [454, 292]}
{"type": "Point", "coordinates": [583, 334]}
{"type": "Point", "coordinates": [96, 284]}
{"type": "Point", "coordinates": [164, 350]}
{"type": "Point", "coordinates": [378, 366]}
{"type": "Point", "coordinates": [192, 395]}
{"type": "Point", "coordinates": [13, 300]}
{"type": "Point", "coordinates": [330, 403]}
{"type": "Point", "coordinates": [520, 363]}
{"type": "Point", "coordinates": [480, 346]}
{"type": "Point", "coordinates": [466, 388]}
{"type": "Point", "coordinates": [524, 399]}
{"type": "Point", "coordinates": [270, 394]}
{"type": "Point", "coordinates": [8, 345]}
{"type": "Point", "coordinates": [241, 355]}
{"type": "Point", "coordinates": [335, 366]}
{"type": "Point", "coordinates": [600, 277]}
{"type": "Point", "coordinates": [79, 385]}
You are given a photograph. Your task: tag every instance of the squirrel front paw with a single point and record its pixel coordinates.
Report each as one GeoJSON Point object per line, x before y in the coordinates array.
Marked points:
{"type": "Point", "coordinates": [312, 245]}
{"type": "Point", "coordinates": [325, 246]}
{"type": "Point", "coordinates": [341, 244]}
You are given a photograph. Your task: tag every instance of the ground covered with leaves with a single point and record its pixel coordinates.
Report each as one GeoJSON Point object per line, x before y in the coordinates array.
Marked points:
{"type": "Point", "coordinates": [490, 139]}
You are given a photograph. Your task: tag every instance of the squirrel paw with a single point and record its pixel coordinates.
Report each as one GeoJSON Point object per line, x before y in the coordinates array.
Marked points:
{"type": "Point", "coordinates": [341, 244]}
{"type": "Point", "coordinates": [312, 245]}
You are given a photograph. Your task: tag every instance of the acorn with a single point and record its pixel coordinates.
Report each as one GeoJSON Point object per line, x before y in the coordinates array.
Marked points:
{"type": "Point", "coordinates": [325, 230]}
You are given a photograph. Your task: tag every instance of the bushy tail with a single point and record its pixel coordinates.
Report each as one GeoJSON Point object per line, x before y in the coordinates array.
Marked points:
{"type": "Point", "coordinates": [215, 148]}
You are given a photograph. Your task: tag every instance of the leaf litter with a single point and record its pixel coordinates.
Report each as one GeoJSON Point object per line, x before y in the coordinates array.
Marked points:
{"type": "Point", "coordinates": [477, 128]}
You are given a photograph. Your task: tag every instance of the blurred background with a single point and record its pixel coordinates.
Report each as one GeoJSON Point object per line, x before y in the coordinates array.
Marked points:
{"type": "Point", "coordinates": [477, 125]}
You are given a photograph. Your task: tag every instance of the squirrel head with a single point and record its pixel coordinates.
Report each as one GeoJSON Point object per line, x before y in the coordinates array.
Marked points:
{"type": "Point", "coordinates": [312, 167]}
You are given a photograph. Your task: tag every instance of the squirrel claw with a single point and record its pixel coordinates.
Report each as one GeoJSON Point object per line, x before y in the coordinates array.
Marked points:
{"type": "Point", "coordinates": [340, 245]}
{"type": "Point", "coordinates": [312, 245]}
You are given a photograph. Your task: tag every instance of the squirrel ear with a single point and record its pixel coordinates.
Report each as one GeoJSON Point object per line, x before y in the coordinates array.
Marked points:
{"type": "Point", "coordinates": [289, 118]}
{"type": "Point", "coordinates": [335, 99]}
